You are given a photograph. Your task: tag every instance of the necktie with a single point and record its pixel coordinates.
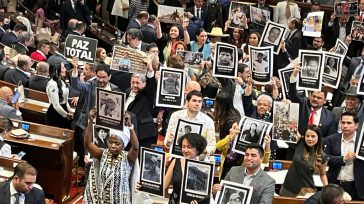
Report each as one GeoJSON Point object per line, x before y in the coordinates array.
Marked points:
{"type": "Point", "coordinates": [17, 201]}
{"type": "Point", "coordinates": [198, 13]}
{"type": "Point", "coordinates": [312, 117]}
{"type": "Point", "coordinates": [288, 11]}
{"type": "Point", "coordinates": [361, 17]}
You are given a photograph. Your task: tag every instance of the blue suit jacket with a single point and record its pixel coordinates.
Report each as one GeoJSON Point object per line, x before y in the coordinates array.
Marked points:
{"type": "Point", "coordinates": [336, 161]}
{"type": "Point", "coordinates": [35, 196]}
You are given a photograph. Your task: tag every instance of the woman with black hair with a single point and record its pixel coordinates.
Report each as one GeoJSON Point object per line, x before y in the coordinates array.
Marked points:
{"type": "Point", "coordinates": [59, 112]}
{"type": "Point", "coordinates": [201, 44]}
{"type": "Point", "coordinates": [308, 158]}
{"type": "Point", "coordinates": [192, 145]}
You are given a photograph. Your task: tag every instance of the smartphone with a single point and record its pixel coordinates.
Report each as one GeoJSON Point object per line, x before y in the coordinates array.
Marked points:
{"type": "Point", "coordinates": [16, 97]}
{"type": "Point", "coordinates": [217, 158]}
{"type": "Point", "coordinates": [277, 165]}
{"type": "Point", "coordinates": [21, 154]}
{"type": "Point", "coordinates": [158, 148]}
{"type": "Point", "coordinates": [25, 126]}
{"type": "Point", "coordinates": [208, 103]}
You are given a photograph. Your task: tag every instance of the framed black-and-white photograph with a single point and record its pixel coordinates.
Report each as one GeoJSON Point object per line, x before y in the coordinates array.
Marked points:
{"type": "Point", "coordinates": [232, 192]}
{"type": "Point", "coordinates": [183, 127]}
{"type": "Point", "coordinates": [360, 147]}
{"type": "Point", "coordinates": [360, 90]}
{"type": "Point", "coordinates": [191, 59]}
{"type": "Point", "coordinates": [128, 60]}
{"type": "Point", "coordinates": [284, 74]}
{"type": "Point", "coordinates": [110, 109]}
{"type": "Point", "coordinates": [101, 136]}
{"type": "Point", "coordinates": [312, 24]}
{"type": "Point", "coordinates": [225, 61]}
{"type": "Point", "coordinates": [197, 181]}
{"type": "Point", "coordinates": [310, 76]}
{"type": "Point", "coordinates": [273, 34]}
{"type": "Point", "coordinates": [259, 16]}
{"type": "Point", "coordinates": [285, 121]}
{"type": "Point", "coordinates": [238, 14]}
{"type": "Point", "coordinates": [261, 63]}
{"type": "Point", "coordinates": [152, 167]}
{"type": "Point", "coordinates": [171, 88]}
{"type": "Point", "coordinates": [251, 131]}
{"type": "Point", "coordinates": [332, 69]}
{"type": "Point", "coordinates": [357, 31]}
{"type": "Point", "coordinates": [340, 47]}
{"type": "Point", "coordinates": [170, 14]}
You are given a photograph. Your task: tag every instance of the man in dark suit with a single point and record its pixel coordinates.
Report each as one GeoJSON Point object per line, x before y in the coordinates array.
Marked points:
{"type": "Point", "coordinates": [76, 9]}
{"type": "Point", "coordinates": [294, 40]}
{"type": "Point", "coordinates": [355, 70]}
{"type": "Point", "coordinates": [199, 11]}
{"type": "Point", "coordinates": [21, 73]}
{"type": "Point", "coordinates": [311, 109]}
{"type": "Point", "coordinates": [40, 80]}
{"type": "Point", "coordinates": [79, 29]}
{"type": "Point", "coordinates": [338, 28]}
{"type": "Point", "coordinates": [87, 99]}
{"type": "Point", "coordinates": [70, 26]}
{"type": "Point", "coordinates": [133, 37]}
{"type": "Point", "coordinates": [139, 21]}
{"type": "Point", "coordinates": [3, 23]}
{"type": "Point", "coordinates": [152, 31]}
{"type": "Point", "coordinates": [20, 188]}
{"type": "Point", "coordinates": [330, 194]}
{"type": "Point", "coordinates": [140, 101]}
{"type": "Point", "coordinates": [10, 38]}
{"type": "Point", "coordinates": [25, 40]}
{"type": "Point", "coordinates": [345, 168]}
{"type": "Point", "coordinates": [262, 183]}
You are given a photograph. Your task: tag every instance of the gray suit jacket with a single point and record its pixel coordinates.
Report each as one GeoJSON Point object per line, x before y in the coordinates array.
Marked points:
{"type": "Point", "coordinates": [8, 111]}
{"type": "Point", "coordinates": [35, 195]}
{"type": "Point", "coordinates": [263, 185]}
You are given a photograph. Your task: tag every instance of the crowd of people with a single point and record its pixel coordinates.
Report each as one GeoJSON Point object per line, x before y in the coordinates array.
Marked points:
{"type": "Point", "coordinates": [329, 124]}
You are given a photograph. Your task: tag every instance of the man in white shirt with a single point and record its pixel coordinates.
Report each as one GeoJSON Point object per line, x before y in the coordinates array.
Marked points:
{"type": "Point", "coordinates": [345, 168]}
{"type": "Point", "coordinates": [193, 114]}
{"type": "Point", "coordinates": [133, 37]}
{"type": "Point", "coordinates": [20, 188]}
{"type": "Point", "coordinates": [283, 12]}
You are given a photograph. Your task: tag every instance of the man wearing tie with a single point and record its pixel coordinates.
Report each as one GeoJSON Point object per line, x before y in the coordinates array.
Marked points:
{"type": "Point", "coordinates": [20, 188]}
{"type": "Point", "coordinates": [311, 109]}
{"type": "Point", "coordinates": [199, 11]}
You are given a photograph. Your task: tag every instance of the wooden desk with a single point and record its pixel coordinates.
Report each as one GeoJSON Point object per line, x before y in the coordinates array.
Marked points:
{"type": "Point", "coordinates": [35, 106]}
{"type": "Point", "coordinates": [288, 200]}
{"type": "Point", "coordinates": [8, 165]}
{"type": "Point", "coordinates": [49, 150]}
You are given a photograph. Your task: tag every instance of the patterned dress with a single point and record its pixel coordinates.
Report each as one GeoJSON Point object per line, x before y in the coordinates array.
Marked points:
{"type": "Point", "coordinates": [137, 6]}
{"type": "Point", "coordinates": [109, 182]}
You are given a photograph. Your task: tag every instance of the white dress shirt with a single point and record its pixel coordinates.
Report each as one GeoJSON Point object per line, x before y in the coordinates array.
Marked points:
{"type": "Point", "coordinates": [347, 171]}
{"type": "Point", "coordinates": [13, 193]}
{"type": "Point", "coordinates": [279, 14]}
{"type": "Point", "coordinates": [208, 127]}
{"type": "Point", "coordinates": [317, 117]}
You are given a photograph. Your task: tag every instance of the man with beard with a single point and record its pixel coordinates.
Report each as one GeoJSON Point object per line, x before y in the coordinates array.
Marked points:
{"type": "Point", "coordinates": [312, 109]}
{"type": "Point", "coordinates": [87, 100]}
{"type": "Point", "coordinates": [20, 188]}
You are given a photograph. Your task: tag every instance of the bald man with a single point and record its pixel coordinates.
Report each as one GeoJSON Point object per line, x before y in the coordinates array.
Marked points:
{"type": "Point", "coordinates": [21, 72]}
{"type": "Point", "coordinates": [192, 85]}
{"type": "Point", "coordinates": [40, 80]}
{"type": "Point", "coordinates": [6, 110]}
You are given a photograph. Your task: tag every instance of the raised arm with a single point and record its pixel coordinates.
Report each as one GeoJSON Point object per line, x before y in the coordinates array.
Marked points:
{"type": "Point", "coordinates": [94, 150]}
{"type": "Point", "coordinates": [133, 152]}
{"type": "Point", "coordinates": [292, 92]}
